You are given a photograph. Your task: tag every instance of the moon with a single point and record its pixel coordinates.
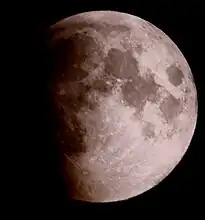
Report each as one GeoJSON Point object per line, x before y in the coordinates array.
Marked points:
{"type": "Point", "coordinates": [125, 103]}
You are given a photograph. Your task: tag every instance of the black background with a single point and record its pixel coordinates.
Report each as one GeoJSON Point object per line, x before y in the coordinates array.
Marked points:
{"type": "Point", "coordinates": [42, 183]}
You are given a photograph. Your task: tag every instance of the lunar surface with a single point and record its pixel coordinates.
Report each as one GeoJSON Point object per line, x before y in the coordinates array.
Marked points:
{"type": "Point", "coordinates": [125, 103]}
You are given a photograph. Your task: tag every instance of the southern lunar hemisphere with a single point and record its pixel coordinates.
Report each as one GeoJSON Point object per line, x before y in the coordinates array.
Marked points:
{"type": "Point", "coordinates": [125, 103]}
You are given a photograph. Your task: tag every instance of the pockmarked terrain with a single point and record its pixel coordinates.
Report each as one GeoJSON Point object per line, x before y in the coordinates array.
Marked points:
{"type": "Point", "coordinates": [125, 102]}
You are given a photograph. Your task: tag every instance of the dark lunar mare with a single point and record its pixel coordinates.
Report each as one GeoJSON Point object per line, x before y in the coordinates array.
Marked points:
{"type": "Point", "coordinates": [175, 75]}
{"type": "Point", "coordinates": [137, 89]}
{"type": "Point", "coordinates": [170, 108]}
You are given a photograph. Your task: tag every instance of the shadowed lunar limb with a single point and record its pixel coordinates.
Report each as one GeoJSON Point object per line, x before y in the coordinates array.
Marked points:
{"type": "Point", "coordinates": [71, 53]}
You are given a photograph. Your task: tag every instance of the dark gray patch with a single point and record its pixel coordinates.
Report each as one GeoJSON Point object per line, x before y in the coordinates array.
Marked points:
{"type": "Point", "coordinates": [121, 64]}
{"type": "Point", "coordinates": [175, 75]}
{"type": "Point", "coordinates": [149, 130]}
{"type": "Point", "coordinates": [74, 98]}
{"type": "Point", "coordinates": [170, 108]}
{"type": "Point", "coordinates": [139, 90]}
{"type": "Point", "coordinates": [103, 87]}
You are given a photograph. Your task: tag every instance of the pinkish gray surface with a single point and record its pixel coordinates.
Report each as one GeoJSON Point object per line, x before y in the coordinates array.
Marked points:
{"type": "Point", "coordinates": [126, 104]}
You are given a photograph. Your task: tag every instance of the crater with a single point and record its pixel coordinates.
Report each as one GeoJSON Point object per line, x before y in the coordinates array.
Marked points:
{"type": "Point", "coordinates": [170, 108]}
{"type": "Point", "coordinates": [175, 75]}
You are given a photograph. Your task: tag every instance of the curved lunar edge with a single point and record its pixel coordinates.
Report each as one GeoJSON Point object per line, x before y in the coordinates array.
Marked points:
{"type": "Point", "coordinates": [125, 101]}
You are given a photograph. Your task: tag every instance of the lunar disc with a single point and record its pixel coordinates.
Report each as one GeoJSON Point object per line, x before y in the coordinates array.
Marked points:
{"type": "Point", "coordinates": [125, 102]}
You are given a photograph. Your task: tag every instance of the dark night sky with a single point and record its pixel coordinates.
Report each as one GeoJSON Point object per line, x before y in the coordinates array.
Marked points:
{"type": "Point", "coordinates": [181, 21]}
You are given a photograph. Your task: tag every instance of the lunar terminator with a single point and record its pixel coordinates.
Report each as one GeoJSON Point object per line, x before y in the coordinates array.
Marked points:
{"type": "Point", "coordinates": [125, 102]}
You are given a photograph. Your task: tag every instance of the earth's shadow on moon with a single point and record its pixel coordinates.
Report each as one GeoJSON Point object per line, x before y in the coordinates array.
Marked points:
{"type": "Point", "coordinates": [55, 187]}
